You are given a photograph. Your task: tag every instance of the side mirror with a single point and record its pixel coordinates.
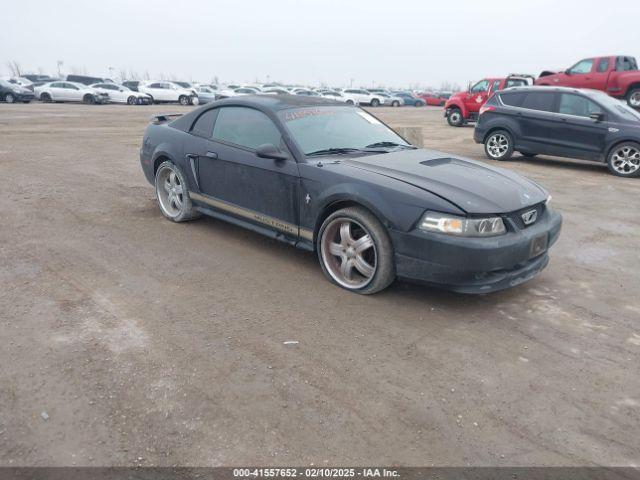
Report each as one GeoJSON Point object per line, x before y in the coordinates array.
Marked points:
{"type": "Point", "coordinates": [598, 117]}
{"type": "Point", "coordinates": [271, 151]}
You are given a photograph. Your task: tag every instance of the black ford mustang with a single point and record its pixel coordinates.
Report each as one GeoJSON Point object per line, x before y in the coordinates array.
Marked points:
{"type": "Point", "coordinates": [334, 179]}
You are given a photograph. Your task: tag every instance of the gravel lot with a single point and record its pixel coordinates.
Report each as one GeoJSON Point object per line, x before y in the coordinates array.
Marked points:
{"type": "Point", "coordinates": [129, 340]}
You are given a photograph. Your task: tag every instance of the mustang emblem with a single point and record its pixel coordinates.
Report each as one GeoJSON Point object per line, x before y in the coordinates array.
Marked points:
{"type": "Point", "coordinates": [529, 217]}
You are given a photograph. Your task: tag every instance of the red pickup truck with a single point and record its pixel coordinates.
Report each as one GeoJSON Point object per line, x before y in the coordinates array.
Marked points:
{"type": "Point", "coordinates": [464, 107]}
{"type": "Point", "coordinates": [617, 75]}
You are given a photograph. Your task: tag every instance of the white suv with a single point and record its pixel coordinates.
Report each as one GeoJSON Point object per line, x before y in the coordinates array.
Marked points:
{"type": "Point", "coordinates": [166, 92]}
{"type": "Point", "coordinates": [364, 97]}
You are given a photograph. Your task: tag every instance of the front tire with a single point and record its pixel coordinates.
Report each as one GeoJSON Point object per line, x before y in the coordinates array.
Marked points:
{"type": "Point", "coordinates": [9, 98]}
{"type": "Point", "coordinates": [350, 102]}
{"type": "Point", "coordinates": [499, 145]}
{"type": "Point", "coordinates": [455, 118]}
{"type": "Point", "coordinates": [150, 100]}
{"type": "Point", "coordinates": [132, 100]}
{"type": "Point", "coordinates": [375, 102]}
{"type": "Point", "coordinates": [633, 98]}
{"type": "Point", "coordinates": [355, 251]}
{"type": "Point", "coordinates": [45, 98]}
{"type": "Point", "coordinates": [172, 194]}
{"type": "Point", "coordinates": [89, 99]}
{"type": "Point", "coordinates": [624, 160]}
{"type": "Point", "coordinates": [395, 103]}
{"type": "Point", "coordinates": [184, 100]}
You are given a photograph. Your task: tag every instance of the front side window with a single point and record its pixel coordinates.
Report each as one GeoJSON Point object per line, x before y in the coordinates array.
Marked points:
{"type": "Point", "coordinates": [583, 66]}
{"type": "Point", "coordinates": [320, 128]}
{"type": "Point", "coordinates": [542, 101]}
{"type": "Point", "coordinates": [481, 86]}
{"type": "Point", "coordinates": [577, 105]}
{"type": "Point", "coordinates": [245, 127]}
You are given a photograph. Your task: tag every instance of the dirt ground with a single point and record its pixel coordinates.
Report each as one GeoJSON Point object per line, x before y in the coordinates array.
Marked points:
{"type": "Point", "coordinates": [129, 340]}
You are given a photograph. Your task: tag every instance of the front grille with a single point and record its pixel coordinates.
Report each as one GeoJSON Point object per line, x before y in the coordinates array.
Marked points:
{"type": "Point", "coordinates": [516, 217]}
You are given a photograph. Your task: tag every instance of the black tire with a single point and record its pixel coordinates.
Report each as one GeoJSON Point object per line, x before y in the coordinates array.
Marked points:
{"type": "Point", "coordinates": [624, 160]}
{"type": "Point", "coordinates": [375, 102]}
{"type": "Point", "coordinates": [350, 102]}
{"type": "Point", "coordinates": [45, 97]}
{"type": "Point", "coordinates": [132, 100]}
{"type": "Point", "coordinates": [184, 100]}
{"type": "Point", "coordinates": [380, 252]}
{"type": "Point", "coordinates": [395, 103]}
{"type": "Point", "coordinates": [9, 98]}
{"type": "Point", "coordinates": [418, 104]}
{"type": "Point", "coordinates": [633, 98]}
{"type": "Point", "coordinates": [455, 118]}
{"type": "Point", "coordinates": [182, 210]}
{"type": "Point", "coordinates": [528, 154]}
{"type": "Point", "coordinates": [498, 145]}
{"type": "Point", "coordinates": [89, 99]}
{"type": "Point", "coordinates": [150, 99]}
{"type": "Point", "coordinates": [26, 101]}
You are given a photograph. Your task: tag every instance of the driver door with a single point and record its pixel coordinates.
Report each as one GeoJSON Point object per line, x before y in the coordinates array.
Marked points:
{"type": "Point", "coordinates": [233, 179]}
{"type": "Point", "coordinates": [477, 96]}
{"type": "Point", "coordinates": [580, 75]}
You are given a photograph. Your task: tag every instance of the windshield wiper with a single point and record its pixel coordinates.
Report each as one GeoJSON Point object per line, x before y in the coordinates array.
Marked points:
{"type": "Point", "coordinates": [389, 144]}
{"type": "Point", "coordinates": [334, 151]}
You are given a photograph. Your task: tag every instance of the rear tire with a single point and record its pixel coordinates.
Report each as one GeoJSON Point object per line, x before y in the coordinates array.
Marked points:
{"type": "Point", "coordinates": [172, 193]}
{"type": "Point", "coordinates": [395, 103]}
{"type": "Point", "coordinates": [355, 251]}
{"type": "Point", "coordinates": [45, 98]}
{"type": "Point", "coordinates": [624, 160]}
{"type": "Point", "coordinates": [633, 98]}
{"type": "Point", "coordinates": [9, 98]}
{"type": "Point", "coordinates": [499, 145]}
{"type": "Point", "coordinates": [89, 99]}
{"type": "Point", "coordinates": [455, 118]}
{"type": "Point", "coordinates": [184, 100]}
{"type": "Point", "coordinates": [150, 100]}
{"type": "Point", "coordinates": [350, 102]}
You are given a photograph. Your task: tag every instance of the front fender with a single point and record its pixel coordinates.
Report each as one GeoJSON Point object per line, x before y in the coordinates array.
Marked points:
{"type": "Point", "coordinates": [456, 104]}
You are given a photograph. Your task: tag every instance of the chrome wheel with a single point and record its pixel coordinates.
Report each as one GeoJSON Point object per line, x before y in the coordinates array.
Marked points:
{"type": "Point", "coordinates": [497, 145]}
{"type": "Point", "coordinates": [348, 253]}
{"type": "Point", "coordinates": [626, 160]}
{"type": "Point", "coordinates": [170, 192]}
{"type": "Point", "coordinates": [634, 99]}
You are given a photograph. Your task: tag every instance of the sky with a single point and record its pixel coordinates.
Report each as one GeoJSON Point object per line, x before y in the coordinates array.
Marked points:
{"type": "Point", "coordinates": [364, 43]}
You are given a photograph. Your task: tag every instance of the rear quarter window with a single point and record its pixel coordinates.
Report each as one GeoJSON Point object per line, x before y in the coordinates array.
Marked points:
{"type": "Point", "coordinates": [542, 101]}
{"type": "Point", "coordinates": [513, 99]}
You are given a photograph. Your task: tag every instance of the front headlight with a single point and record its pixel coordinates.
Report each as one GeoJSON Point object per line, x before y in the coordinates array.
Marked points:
{"type": "Point", "coordinates": [462, 226]}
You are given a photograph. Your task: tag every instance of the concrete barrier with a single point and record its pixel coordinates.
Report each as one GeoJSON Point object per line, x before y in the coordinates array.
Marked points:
{"type": "Point", "coordinates": [413, 135]}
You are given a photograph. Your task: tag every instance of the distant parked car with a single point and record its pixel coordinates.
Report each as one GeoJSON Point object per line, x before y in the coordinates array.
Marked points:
{"type": "Point", "coordinates": [86, 80]}
{"type": "Point", "coordinates": [410, 99]}
{"type": "Point", "coordinates": [21, 82]}
{"type": "Point", "coordinates": [11, 93]}
{"type": "Point", "coordinates": [563, 122]}
{"type": "Point", "coordinates": [340, 97]}
{"type": "Point", "coordinates": [166, 92]}
{"type": "Point", "coordinates": [205, 94]}
{"type": "Point", "coordinates": [132, 84]}
{"type": "Point", "coordinates": [122, 94]}
{"type": "Point", "coordinates": [187, 86]}
{"type": "Point", "coordinates": [226, 93]}
{"type": "Point", "coordinates": [390, 100]}
{"type": "Point", "coordinates": [306, 92]}
{"type": "Point", "coordinates": [276, 91]}
{"type": "Point", "coordinates": [69, 92]}
{"type": "Point", "coordinates": [364, 97]}
{"type": "Point", "coordinates": [435, 99]}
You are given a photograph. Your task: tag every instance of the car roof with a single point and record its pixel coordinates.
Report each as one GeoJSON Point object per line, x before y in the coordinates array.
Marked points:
{"type": "Point", "coordinates": [541, 88]}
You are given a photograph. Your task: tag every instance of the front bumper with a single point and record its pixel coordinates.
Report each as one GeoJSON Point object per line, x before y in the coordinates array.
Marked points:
{"type": "Point", "coordinates": [476, 265]}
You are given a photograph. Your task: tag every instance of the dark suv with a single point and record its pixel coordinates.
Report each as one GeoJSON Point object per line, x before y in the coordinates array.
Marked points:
{"type": "Point", "coordinates": [563, 122]}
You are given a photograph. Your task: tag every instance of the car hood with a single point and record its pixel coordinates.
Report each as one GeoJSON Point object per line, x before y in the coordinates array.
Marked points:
{"type": "Point", "coordinates": [472, 186]}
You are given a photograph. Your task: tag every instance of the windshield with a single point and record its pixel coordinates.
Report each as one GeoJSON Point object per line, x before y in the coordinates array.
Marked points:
{"type": "Point", "coordinates": [618, 106]}
{"type": "Point", "coordinates": [322, 128]}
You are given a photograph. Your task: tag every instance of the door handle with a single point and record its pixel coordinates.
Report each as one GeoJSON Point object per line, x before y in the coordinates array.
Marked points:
{"type": "Point", "coordinates": [212, 155]}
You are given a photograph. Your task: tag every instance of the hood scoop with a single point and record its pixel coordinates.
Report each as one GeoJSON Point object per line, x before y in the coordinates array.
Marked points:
{"type": "Point", "coordinates": [436, 162]}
